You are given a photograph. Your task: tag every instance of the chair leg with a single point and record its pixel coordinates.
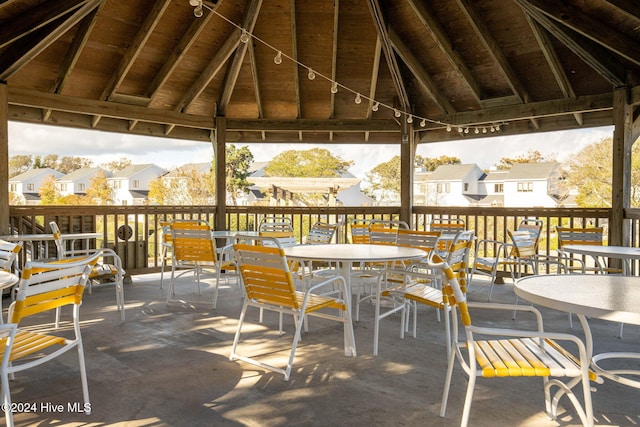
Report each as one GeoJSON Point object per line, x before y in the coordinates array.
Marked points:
{"type": "Point", "coordinates": [447, 384]}
{"type": "Point", "coordinates": [236, 338]}
{"type": "Point", "coordinates": [468, 398]}
{"type": "Point", "coordinates": [6, 399]}
{"type": "Point", "coordinates": [83, 379]}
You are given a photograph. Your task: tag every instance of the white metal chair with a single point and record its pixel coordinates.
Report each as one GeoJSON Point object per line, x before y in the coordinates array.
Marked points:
{"type": "Point", "coordinates": [102, 271]}
{"type": "Point", "coordinates": [269, 285]}
{"type": "Point", "coordinates": [44, 287]}
{"type": "Point", "coordinates": [508, 352]}
{"type": "Point", "coordinates": [194, 249]}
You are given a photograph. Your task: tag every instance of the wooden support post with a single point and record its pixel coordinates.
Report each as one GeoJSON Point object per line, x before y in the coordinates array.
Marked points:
{"type": "Point", "coordinates": [220, 150]}
{"type": "Point", "coordinates": [621, 174]}
{"type": "Point", "coordinates": [4, 158]}
{"type": "Point", "coordinates": [407, 152]}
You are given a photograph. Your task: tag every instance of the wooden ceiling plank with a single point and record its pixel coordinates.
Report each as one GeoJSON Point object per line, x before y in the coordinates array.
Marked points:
{"type": "Point", "coordinates": [578, 48]}
{"type": "Point", "coordinates": [37, 45]}
{"type": "Point", "coordinates": [77, 45]}
{"type": "Point", "coordinates": [179, 52]}
{"type": "Point", "coordinates": [591, 28]}
{"type": "Point", "coordinates": [249, 22]}
{"type": "Point", "coordinates": [630, 7]}
{"type": "Point", "coordinates": [35, 19]}
{"type": "Point", "coordinates": [151, 21]}
{"type": "Point", "coordinates": [445, 45]}
{"type": "Point", "coordinates": [216, 64]}
{"type": "Point", "coordinates": [334, 56]}
{"type": "Point", "coordinates": [493, 48]}
{"type": "Point", "coordinates": [420, 73]}
{"type": "Point", "coordinates": [396, 76]}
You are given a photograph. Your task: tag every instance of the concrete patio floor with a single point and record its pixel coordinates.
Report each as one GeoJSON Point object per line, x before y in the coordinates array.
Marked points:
{"type": "Point", "coordinates": [168, 366]}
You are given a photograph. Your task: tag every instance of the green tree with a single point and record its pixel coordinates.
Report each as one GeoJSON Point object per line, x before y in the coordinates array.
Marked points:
{"type": "Point", "coordinates": [313, 163]}
{"type": "Point", "coordinates": [186, 185]}
{"type": "Point", "coordinates": [384, 179]}
{"type": "Point", "coordinates": [116, 165]}
{"type": "Point", "coordinates": [68, 164]}
{"type": "Point", "coordinates": [238, 162]}
{"type": "Point", "coordinates": [49, 194]}
{"type": "Point", "coordinates": [99, 192]}
{"type": "Point", "coordinates": [532, 156]}
{"type": "Point", "coordinates": [19, 164]}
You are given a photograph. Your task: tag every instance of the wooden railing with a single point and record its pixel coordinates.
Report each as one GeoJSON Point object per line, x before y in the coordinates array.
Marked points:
{"type": "Point", "coordinates": [134, 231]}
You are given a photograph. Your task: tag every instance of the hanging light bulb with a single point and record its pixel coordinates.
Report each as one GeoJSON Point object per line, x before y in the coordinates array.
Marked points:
{"type": "Point", "coordinates": [497, 127]}
{"type": "Point", "coordinates": [466, 130]}
{"type": "Point", "coordinates": [334, 87]}
{"type": "Point", "coordinates": [278, 58]}
{"type": "Point", "coordinates": [477, 131]}
{"type": "Point", "coordinates": [396, 112]}
{"type": "Point", "coordinates": [244, 37]}
{"type": "Point", "coordinates": [448, 128]}
{"type": "Point", "coordinates": [460, 130]}
{"type": "Point", "coordinates": [358, 99]}
{"type": "Point", "coordinates": [197, 12]}
{"type": "Point", "coordinates": [484, 130]}
{"type": "Point", "coordinates": [311, 74]}
{"type": "Point", "coordinates": [493, 129]}
{"type": "Point", "coordinates": [423, 123]}
{"type": "Point", "coordinates": [410, 119]}
{"type": "Point", "coordinates": [195, 3]}
{"type": "Point", "coordinates": [375, 106]}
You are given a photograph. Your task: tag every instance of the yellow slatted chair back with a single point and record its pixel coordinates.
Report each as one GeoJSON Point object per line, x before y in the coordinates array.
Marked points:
{"type": "Point", "coordinates": [8, 254]}
{"type": "Point", "coordinates": [46, 286]}
{"type": "Point", "coordinates": [448, 226]}
{"type": "Point", "coordinates": [165, 226]}
{"type": "Point", "coordinates": [579, 236]}
{"type": "Point", "coordinates": [382, 235]}
{"type": "Point", "coordinates": [425, 240]}
{"type": "Point", "coordinates": [265, 273]}
{"type": "Point", "coordinates": [524, 247]}
{"type": "Point", "coordinates": [321, 233]}
{"type": "Point", "coordinates": [192, 242]}
{"type": "Point", "coordinates": [359, 232]}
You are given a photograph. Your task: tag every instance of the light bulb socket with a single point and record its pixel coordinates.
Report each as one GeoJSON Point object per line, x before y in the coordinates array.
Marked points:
{"type": "Point", "coordinates": [278, 58]}
{"type": "Point", "coordinates": [358, 99]}
{"type": "Point", "coordinates": [198, 12]}
{"type": "Point", "coordinates": [195, 3]}
{"type": "Point", "coordinates": [334, 87]}
{"type": "Point", "coordinates": [244, 37]}
{"type": "Point", "coordinates": [311, 74]}
{"type": "Point", "coordinates": [375, 106]}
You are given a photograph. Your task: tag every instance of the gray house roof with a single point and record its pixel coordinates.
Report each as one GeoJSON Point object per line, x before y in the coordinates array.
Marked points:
{"type": "Point", "coordinates": [32, 173]}
{"type": "Point", "coordinates": [132, 170]}
{"type": "Point", "coordinates": [82, 173]}
{"type": "Point", "coordinates": [531, 171]}
{"type": "Point", "coordinates": [452, 172]}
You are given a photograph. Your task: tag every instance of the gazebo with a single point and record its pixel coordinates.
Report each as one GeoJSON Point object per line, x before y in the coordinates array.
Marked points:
{"type": "Point", "coordinates": [353, 71]}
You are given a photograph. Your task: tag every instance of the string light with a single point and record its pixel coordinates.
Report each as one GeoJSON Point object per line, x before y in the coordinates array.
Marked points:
{"type": "Point", "coordinates": [278, 58]}
{"type": "Point", "coordinates": [246, 36]}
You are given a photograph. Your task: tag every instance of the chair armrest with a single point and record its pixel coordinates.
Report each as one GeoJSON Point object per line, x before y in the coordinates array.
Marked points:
{"type": "Point", "coordinates": [509, 307]}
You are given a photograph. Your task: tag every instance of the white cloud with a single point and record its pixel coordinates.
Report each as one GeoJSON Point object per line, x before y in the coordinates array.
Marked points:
{"type": "Point", "coordinates": [102, 147]}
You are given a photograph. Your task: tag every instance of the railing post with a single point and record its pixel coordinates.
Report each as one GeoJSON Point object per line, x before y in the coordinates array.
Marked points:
{"type": "Point", "coordinates": [220, 151]}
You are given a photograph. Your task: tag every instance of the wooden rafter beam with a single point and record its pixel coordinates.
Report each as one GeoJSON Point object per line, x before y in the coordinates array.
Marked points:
{"type": "Point", "coordinates": [151, 21]}
{"type": "Point", "coordinates": [577, 46]}
{"type": "Point", "coordinates": [630, 7]}
{"type": "Point", "coordinates": [248, 23]}
{"type": "Point", "coordinates": [493, 49]}
{"type": "Point", "coordinates": [554, 62]}
{"type": "Point", "coordinates": [420, 73]}
{"type": "Point", "coordinates": [294, 50]}
{"type": "Point", "coordinates": [396, 76]}
{"type": "Point", "coordinates": [445, 45]}
{"type": "Point", "coordinates": [256, 80]}
{"type": "Point", "coordinates": [43, 37]}
{"type": "Point", "coordinates": [589, 27]}
{"type": "Point", "coordinates": [334, 54]}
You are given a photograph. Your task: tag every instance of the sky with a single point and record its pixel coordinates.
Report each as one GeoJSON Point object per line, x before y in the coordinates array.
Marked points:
{"type": "Point", "coordinates": [103, 147]}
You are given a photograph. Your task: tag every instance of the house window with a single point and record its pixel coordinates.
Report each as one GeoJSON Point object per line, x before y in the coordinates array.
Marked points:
{"type": "Point", "coordinates": [525, 187]}
{"type": "Point", "coordinates": [31, 187]}
{"type": "Point", "coordinates": [62, 187]}
{"type": "Point", "coordinates": [135, 184]}
{"type": "Point", "coordinates": [498, 188]}
{"type": "Point", "coordinates": [116, 184]}
{"type": "Point", "coordinates": [13, 187]}
{"type": "Point", "coordinates": [466, 186]}
{"type": "Point", "coordinates": [80, 187]}
{"type": "Point", "coordinates": [443, 188]}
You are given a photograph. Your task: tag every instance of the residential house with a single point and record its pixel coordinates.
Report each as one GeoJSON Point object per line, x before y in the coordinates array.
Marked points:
{"type": "Point", "coordinates": [25, 188]}
{"type": "Point", "coordinates": [78, 181]}
{"type": "Point", "coordinates": [131, 184]}
{"type": "Point", "coordinates": [180, 179]}
{"type": "Point", "coordinates": [535, 185]}
{"type": "Point", "coordinates": [491, 188]}
{"type": "Point", "coordinates": [454, 185]}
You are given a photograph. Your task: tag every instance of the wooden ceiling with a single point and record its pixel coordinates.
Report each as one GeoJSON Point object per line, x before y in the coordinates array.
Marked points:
{"type": "Point", "coordinates": [151, 67]}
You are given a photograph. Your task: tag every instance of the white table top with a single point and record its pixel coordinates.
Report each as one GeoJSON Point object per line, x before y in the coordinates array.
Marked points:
{"type": "Point", "coordinates": [7, 279]}
{"type": "Point", "coordinates": [352, 252]}
{"type": "Point", "coordinates": [225, 234]}
{"type": "Point", "coordinates": [609, 297]}
{"type": "Point", "coordinates": [622, 252]}
{"type": "Point", "coordinates": [45, 237]}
